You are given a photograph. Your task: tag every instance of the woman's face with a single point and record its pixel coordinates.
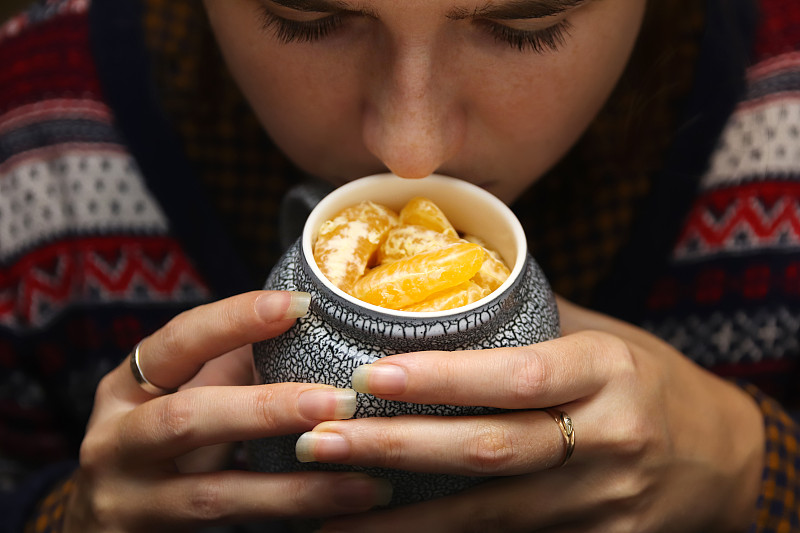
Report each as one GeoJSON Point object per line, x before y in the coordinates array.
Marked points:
{"type": "Point", "coordinates": [490, 91]}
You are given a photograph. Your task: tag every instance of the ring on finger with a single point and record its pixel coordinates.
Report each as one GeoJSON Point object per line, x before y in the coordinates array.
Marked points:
{"type": "Point", "coordinates": [564, 422]}
{"type": "Point", "coordinates": [148, 386]}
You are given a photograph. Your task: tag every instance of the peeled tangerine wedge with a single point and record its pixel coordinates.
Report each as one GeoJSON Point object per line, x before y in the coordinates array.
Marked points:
{"type": "Point", "coordinates": [423, 212]}
{"type": "Point", "coordinates": [458, 296]}
{"type": "Point", "coordinates": [407, 240]}
{"type": "Point", "coordinates": [408, 281]}
{"type": "Point", "coordinates": [347, 242]}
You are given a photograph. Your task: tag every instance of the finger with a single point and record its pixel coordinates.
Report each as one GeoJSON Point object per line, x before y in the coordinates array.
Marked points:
{"type": "Point", "coordinates": [536, 376]}
{"type": "Point", "coordinates": [490, 445]}
{"type": "Point", "coordinates": [233, 496]}
{"type": "Point", "coordinates": [176, 352]}
{"type": "Point", "coordinates": [518, 504]}
{"type": "Point", "coordinates": [172, 425]}
{"type": "Point", "coordinates": [233, 368]}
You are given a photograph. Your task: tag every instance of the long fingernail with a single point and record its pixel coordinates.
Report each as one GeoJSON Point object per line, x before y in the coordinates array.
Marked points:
{"type": "Point", "coordinates": [327, 404]}
{"type": "Point", "coordinates": [361, 491]}
{"type": "Point", "coordinates": [271, 306]}
{"type": "Point", "coordinates": [321, 446]}
{"type": "Point", "coordinates": [298, 305]}
{"type": "Point", "coordinates": [380, 379]}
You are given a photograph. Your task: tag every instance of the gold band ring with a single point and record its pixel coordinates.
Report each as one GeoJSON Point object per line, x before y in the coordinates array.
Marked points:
{"type": "Point", "coordinates": [567, 431]}
{"type": "Point", "coordinates": [143, 382]}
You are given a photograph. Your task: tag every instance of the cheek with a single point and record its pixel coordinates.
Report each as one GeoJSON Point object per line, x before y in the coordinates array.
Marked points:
{"type": "Point", "coordinates": [294, 106]}
{"type": "Point", "coordinates": [543, 104]}
{"type": "Point", "coordinates": [304, 101]}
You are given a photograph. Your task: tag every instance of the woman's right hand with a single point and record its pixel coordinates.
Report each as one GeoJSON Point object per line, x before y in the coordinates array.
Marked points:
{"type": "Point", "coordinates": [130, 476]}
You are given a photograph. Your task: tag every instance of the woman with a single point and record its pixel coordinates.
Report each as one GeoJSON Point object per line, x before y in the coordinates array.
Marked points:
{"type": "Point", "coordinates": [570, 109]}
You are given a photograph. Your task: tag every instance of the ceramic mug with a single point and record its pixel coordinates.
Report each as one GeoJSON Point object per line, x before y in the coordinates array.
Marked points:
{"type": "Point", "coordinates": [340, 332]}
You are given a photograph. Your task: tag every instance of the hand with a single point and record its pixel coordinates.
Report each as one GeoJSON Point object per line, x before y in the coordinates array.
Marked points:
{"type": "Point", "coordinates": [135, 457]}
{"type": "Point", "coordinates": [660, 444]}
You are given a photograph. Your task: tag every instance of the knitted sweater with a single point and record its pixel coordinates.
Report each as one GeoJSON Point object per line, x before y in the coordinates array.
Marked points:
{"type": "Point", "coordinates": [105, 233]}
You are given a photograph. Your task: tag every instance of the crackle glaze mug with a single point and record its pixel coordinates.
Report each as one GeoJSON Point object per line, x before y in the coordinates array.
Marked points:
{"type": "Point", "coordinates": [341, 333]}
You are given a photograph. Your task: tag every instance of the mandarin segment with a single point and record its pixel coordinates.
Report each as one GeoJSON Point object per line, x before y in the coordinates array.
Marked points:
{"type": "Point", "coordinates": [477, 240]}
{"type": "Point", "coordinates": [458, 296]}
{"type": "Point", "coordinates": [407, 240]}
{"type": "Point", "coordinates": [494, 271]}
{"type": "Point", "coordinates": [423, 212]}
{"type": "Point", "coordinates": [492, 274]}
{"type": "Point", "coordinates": [411, 280]}
{"type": "Point", "coordinates": [370, 234]}
{"type": "Point", "coordinates": [346, 243]}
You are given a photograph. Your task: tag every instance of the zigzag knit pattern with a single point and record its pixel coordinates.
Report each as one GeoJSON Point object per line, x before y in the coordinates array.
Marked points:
{"type": "Point", "coordinates": [732, 295]}
{"type": "Point", "coordinates": [87, 263]}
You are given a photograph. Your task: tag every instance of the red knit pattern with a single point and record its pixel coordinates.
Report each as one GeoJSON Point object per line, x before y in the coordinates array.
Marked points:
{"type": "Point", "coordinates": [779, 29]}
{"type": "Point", "coordinates": [55, 59]}
{"type": "Point", "coordinates": [62, 272]}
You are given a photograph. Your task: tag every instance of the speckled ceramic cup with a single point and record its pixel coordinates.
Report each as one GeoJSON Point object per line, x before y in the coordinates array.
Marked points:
{"type": "Point", "coordinates": [341, 333]}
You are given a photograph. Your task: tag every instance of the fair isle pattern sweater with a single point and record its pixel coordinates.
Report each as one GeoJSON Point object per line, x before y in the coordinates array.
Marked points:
{"type": "Point", "coordinates": [730, 298]}
{"type": "Point", "coordinates": [87, 262]}
{"type": "Point", "coordinates": [93, 254]}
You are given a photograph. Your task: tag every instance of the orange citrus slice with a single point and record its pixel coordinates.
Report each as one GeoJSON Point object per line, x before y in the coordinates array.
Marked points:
{"type": "Point", "coordinates": [407, 240]}
{"type": "Point", "coordinates": [421, 211]}
{"type": "Point", "coordinates": [494, 271]}
{"type": "Point", "coordinates": [458, 296]}
{"type": "Point", "coordinates": [411, 280]}
{"type": "Point", "coordinates": [346, 243]}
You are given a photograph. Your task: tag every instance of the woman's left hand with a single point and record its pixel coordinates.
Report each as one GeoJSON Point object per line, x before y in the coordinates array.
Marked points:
{"type": "Point", "coordinates": [660, 443]}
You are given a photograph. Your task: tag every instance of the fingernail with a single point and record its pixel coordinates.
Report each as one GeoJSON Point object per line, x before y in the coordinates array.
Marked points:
{"type": "Point", "coordinates": [360, 491]}
{"type": "Point", "coordinates": [271, 306]}
{"type": "Point", "coordinates": [327, 404]}
{"type": "Point", "coordinates": [321, 446]}
{"type": "Point", "coordinates": [379, 379]}
{"type": "Point", "coordinates": [298, 305]}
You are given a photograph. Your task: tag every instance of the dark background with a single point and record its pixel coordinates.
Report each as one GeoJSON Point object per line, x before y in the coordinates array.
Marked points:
{"type": "Point", "coordinates": [11, 7]}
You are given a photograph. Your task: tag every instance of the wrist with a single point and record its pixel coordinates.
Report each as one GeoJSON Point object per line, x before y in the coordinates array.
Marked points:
{"type": "Point", "coordinates": [745, 457]}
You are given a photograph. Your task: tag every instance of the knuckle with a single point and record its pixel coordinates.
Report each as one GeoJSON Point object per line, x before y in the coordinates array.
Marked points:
{"type": "Point", "coordinates": [388, 447]}
{"type": "Point", "coordinates": [529, 376]}
{"type": "Point", "coordinates": [105, 389]}
{"type": "Point", "coordinates": [265, 407]}
{"type": "Point", "coordinates": [90, 453]}
{"type": "Point", "coordinates": [627, 497]}
{"type": "Point", "coordinates": [302, 495]}
{"type": "Point", "coordinates": [626, 490]}
{"type": "Point", "coordinates": [177, 417]}
{"type": "Point", "coordinates": [207, 501]}
{"type": "Point", "coordinates": [103, 506]}
{"type": "Point", "coordinates": [97, 448]}
{"type": "Point", "coordinates": [638, 437]}
{"type": "Point", "coordinates": [613, 350]}
{"type": "Point", "coordinates": [171, 336]}
{"type": "Point", "coordinates": [490, 450]}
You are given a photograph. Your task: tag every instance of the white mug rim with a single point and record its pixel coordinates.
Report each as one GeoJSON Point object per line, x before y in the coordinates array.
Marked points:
{"type": "Point", "coordinates": [314, 221]}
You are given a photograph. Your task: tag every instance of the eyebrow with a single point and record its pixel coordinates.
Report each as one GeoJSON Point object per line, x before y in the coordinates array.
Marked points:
{"type": "Point", "coordinates": [511, 9]}
{"type": "Point", "coordinates": [518, 9]}
{"type": "Point", "coordinates": [314, 5]}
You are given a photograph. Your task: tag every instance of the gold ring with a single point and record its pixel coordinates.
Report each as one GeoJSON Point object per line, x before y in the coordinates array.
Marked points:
{"type": "Point", "coordinates": [567, 430]}
{"type": "Point", "coordinates": [143, 382]}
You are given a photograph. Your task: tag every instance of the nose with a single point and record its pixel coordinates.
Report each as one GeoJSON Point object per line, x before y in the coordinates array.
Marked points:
{"type": "Point", "coordinates": [413, 121]}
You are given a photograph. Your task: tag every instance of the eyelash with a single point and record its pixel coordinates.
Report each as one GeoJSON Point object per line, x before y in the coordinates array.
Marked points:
{"type": "Point", "coordinates": [287, 31]}
{"type": "Point", "coordinates": [548, 39]}
{"type": "Point", "coordinates": [540, 41]}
